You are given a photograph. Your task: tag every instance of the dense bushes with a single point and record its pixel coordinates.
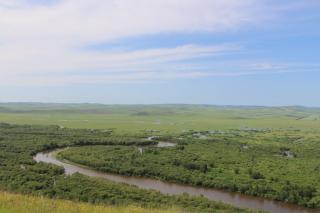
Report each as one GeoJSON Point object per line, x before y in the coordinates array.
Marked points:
{"type": "Point", "coordinates": [252, 167]}
{"type": "Point", "coordinates": [255, 175]}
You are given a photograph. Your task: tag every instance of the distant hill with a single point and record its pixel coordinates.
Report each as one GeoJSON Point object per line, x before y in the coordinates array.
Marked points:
{"type": "Point", "coordinates": [139, 108]}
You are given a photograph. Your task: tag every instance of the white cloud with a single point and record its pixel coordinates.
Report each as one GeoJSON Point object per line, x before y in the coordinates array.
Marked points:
{"type": "Point", "coordinates": [74, 21]}
{"type": "Point", "coordinates": [41, 43]}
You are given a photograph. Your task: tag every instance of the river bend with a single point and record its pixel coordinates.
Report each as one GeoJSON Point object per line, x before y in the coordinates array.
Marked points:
{"type": "Point", "coordinates": [235, 199]}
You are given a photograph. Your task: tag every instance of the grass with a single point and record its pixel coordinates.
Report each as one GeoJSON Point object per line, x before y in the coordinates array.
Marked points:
{"type": "Point", "coordinates": [13, 203]}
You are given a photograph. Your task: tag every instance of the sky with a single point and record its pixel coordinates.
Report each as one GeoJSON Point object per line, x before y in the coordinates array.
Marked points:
{"type": "Point", "coordinates": [222, 52]}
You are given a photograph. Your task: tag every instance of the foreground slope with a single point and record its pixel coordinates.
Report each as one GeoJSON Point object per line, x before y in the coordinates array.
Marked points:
{"type": "Point", "coordinates": [13, 203]}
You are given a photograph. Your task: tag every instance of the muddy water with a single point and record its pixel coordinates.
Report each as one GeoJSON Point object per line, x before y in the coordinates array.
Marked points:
{"type": "Point", "coordinates": [235, 199]}
{"type": "Point", "coordinates": [165, 144]}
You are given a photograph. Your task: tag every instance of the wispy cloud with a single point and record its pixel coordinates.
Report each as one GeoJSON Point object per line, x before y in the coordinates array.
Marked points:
{"type": "Point", "coordinates": [55, 60]}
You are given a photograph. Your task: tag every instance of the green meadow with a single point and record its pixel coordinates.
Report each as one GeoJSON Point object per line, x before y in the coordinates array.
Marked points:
{"type": "Point", "coordinates": [164, 118]}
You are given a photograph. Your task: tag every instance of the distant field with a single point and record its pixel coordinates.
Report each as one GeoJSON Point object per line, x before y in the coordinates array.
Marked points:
{"type": "Point", "coordinates": [12, 203]}
{"type": "Point", "coordinates": [164, 118]}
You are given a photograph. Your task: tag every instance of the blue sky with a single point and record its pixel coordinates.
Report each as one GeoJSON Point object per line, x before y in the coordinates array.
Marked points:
{"type": "Point", "coordinates": [235, 52]}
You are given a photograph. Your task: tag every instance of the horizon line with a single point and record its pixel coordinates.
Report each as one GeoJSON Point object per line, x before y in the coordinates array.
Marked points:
{"type": "Point", "coordinates": [159, 104]}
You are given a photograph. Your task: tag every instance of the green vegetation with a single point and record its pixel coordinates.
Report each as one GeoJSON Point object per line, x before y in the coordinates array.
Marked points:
{"type": "Point", "coordinates": [262, 151]}
{"type": "Point", "coordinates": [282, 165]}
{"type": "Point", "coordinates": [20, 173]}
{"type": "Point", "coordinates": [169, 119]}
{"type": "Point", "coordinates": [13, 203]}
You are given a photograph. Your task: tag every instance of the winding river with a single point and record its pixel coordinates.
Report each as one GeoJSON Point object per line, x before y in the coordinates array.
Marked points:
{"type": "Point", "coordinates": [235, 199]}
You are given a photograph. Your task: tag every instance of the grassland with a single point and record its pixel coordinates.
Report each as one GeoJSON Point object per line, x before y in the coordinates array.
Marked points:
{"type": "Point", "coordinates": [14, 203]}
{"type": "Point", "coordinates": [168, 119]}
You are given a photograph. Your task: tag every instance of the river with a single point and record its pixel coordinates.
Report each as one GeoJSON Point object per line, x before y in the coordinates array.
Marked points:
{"type": "Point", "coordinates": [235, 199]}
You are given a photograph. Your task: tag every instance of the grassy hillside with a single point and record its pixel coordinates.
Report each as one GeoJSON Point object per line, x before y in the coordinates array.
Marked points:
{"type": "Point", "coordinates": [164, 118]}
{"type": "Point", "coordinates": [13, 203]}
